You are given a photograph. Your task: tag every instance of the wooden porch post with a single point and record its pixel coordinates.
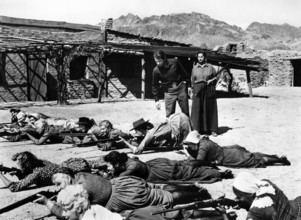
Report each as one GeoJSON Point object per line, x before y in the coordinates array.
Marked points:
{"type": "Point", "coordinates": [143, 79]}
{"type": "Point", "coordinates": [249, 83]}
{"type": "Point", "coordinates": [62, 82]}
{"type": "Point", "coordinates": [2, 69]}
{"type": "Point", "coordinates": [102, 77]}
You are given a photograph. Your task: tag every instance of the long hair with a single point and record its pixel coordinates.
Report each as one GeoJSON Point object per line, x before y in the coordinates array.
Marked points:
{"type": "Point", "coordinates": [114, 157]}
{"type": "Point", "coordinates": [74, 198]}
{"type": "Point", "coordinates": [28, 161]}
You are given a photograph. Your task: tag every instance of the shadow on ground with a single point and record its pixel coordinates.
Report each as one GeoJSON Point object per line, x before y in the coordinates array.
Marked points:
{"type": "Point", "coordinates": [223, 94]}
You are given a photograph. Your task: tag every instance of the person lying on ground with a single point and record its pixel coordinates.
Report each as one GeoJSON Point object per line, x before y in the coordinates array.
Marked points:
{"type": "Point", "coordinates": [74, 200]}
{"type": "Point", "coordinates": [32, 170]}
{"type": "Point", "coordinates": [197, 147]}
{"type": "Point", "coordinates": [90, 127]}
{"type": "Point", "coordinates": [49, 134]}
{"type": "Point", "coordinates": [123, 193]}
{"type": "Point", "coordinates": [25, 124]}
{"type": "Point", "coordinates": [172, 132]}
{"type": "Point", "coordinates": [107, 131]}
{"type": "Point", "coordinates": [265, 200]}
{"type": "Point", "coordinates": [162, 169]}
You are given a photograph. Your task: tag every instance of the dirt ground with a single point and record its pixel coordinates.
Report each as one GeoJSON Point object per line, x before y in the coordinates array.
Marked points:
{"type": "Point", "coordinates": [270, 123]}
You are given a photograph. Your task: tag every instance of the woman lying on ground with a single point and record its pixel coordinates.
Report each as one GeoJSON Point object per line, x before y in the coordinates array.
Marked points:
{"type": "Point", "coordinates": [197, 147]}
{"type": "Point", "coordinates": [264, 200]}
{"type": "Point", "coordinates": [31, 171]}
{"type": "Point", "coordinates": [123, 193]}
{"type": "Point", "coordinates": [48, 133]}
{"type": "Point", "coordinates": [162, 169]}
{"type": "Point", "coordinates": [171, 132]}
{"type": "Point", "coordinates": [75, 202]}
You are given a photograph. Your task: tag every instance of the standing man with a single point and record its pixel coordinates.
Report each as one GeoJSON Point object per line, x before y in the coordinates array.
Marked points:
{"type": "Point", "coordinates": [173, 77]}
{"type": "Point", "coordinates": [204, 116]}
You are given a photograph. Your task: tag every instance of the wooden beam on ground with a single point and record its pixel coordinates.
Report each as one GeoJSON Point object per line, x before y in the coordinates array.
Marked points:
{"type": "Point", "coordinates": [142, 79]}
{"type": "Point", "coordinates": [249, 83]}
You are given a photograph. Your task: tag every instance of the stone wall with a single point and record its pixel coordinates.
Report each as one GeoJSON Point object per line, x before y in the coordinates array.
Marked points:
{"type": "Point", "coordinates": [83, 89]}
{"type": "Point", "coordinates": [14, 84]}
{"type": "Point", "coordinates": [280, 69]}
{"type": "Point", "coordinates": [118, 88]}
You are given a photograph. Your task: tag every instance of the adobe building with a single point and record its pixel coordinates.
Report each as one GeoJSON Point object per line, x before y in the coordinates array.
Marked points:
{"type": "Point", "coordinates": [46, 60]}
{"type": "Point", "coordinates": [283, 67]}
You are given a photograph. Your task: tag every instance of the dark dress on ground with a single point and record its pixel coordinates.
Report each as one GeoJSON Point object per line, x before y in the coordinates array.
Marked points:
{"type": "Point", "coordinates": [204, 115]}
{"type": "Point", "coordinates": [230, 156]}
{"type": "Point", "coordinates": [119, 194]}
{"type": "Point", "coordinates": [163, 169]}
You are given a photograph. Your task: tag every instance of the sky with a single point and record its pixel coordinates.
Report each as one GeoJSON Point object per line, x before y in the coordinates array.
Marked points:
{"type": "Point", "coordinates": [234, 12]}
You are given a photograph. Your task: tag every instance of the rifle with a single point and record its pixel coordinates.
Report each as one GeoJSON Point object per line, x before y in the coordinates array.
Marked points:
{"type": "Point", "coordinates": [6, 123]}
{"type": "Point", "coordinates": [91, 143]}
{"type": "Point", "coordinates": [8, 169]}
{"type": "Point", "coordinates": [63, 134]}
{"type": "Point", "coordinates": [6, 133]}
{"type": "Point", "coordinates": [202, 204]}
{"type": "Point", "coordinates": [28, 199]}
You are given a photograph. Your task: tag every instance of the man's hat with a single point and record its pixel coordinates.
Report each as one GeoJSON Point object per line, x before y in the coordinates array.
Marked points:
{"type": "Point", "coordinates": [139, 123]}
{"type": "Point", "coordinates": [15, 110]}
{"type": "Point", "coordinates": [34, 115]}
{"type": "Point", "coordinates": [84, 121]}
{"type": "Point", "coordinates": [193, 137]}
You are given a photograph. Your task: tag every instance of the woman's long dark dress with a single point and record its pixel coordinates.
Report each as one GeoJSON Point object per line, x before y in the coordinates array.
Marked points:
{"type": "Point", "coordinates": [231, 156]}
{"type": "Point", "coordinates": [204, 116]}
{"type": "Point", "coordinates": [163, 169]}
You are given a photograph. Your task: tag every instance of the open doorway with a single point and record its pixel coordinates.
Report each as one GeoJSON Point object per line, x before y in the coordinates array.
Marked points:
{"type": "Point", "coordinates": [78, 67]}
{"type": "Point", "coordinates": [297, 72]}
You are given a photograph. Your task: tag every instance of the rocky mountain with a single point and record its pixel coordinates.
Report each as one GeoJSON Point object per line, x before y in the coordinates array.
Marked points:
{"type": "Point", "coordinates": [199, 30]}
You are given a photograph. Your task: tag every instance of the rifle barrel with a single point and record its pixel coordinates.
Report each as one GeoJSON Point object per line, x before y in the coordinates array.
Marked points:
{"type": "Point", "coordinates": [94, 142]}
{"type": "Point", "coordinates": [201, 204]}
{"type": "Point", "coordinates": [26, 200]}
{"type": "Point", "coordinates": [74, 134]}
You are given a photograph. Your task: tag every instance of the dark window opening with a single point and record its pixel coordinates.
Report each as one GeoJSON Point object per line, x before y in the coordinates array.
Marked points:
{"type": "Point", "coordinates": [78, 67]}
{"type": "Point", "coordinates": [233, 48]}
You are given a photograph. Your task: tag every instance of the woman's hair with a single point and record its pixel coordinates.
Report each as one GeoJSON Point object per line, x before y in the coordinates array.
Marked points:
{"type": "Point", "coordinates": [41, 124]}
{"type": "Point", "coordinates": [63, 170]}
{"type": "Point", "coordinates": [28, 161]}
{"type": "Point", "coordinates": [115, 157]}
{"type": "Point", "coordinates": [106, 123]}
{"type": "Point", "coordinates": [74, 197]}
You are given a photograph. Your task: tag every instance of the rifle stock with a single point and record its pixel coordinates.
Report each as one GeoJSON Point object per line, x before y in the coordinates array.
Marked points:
{"type": "Point", "coordinates": [202, 204]}
{"type": "Point", "coordinates": [28, 199]}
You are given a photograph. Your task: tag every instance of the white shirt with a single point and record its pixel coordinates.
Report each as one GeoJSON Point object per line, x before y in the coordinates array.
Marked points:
{"type": "Point", "coordinates": [97, 212]}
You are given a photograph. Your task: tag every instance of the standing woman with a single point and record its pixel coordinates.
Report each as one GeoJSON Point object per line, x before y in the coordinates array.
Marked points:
{"type": "Point", "coordinates": [204, 106]}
